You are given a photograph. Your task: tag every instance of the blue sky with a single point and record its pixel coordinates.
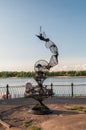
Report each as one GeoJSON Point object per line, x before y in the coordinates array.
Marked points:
{"type": "Point", "coordinates": [64, 22]}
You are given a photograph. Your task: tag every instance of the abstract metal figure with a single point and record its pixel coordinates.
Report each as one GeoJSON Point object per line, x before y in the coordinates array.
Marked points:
{"type": "Point", "coordinates": [40, 92]}
{"type": "Point", "coordinates": [53, 48]}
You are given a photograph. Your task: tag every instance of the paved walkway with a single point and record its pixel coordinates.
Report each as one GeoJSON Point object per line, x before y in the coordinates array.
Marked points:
{"type": "Point", "coordinates": [50, 100]}
{"type": "Point", "coordinates": [12, 103]}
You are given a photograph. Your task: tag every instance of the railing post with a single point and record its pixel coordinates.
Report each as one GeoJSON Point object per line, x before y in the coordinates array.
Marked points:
{"type": "Point", "coordinates": [51, 89]}
{"type": "Point", "coordinates": [7, 91]}
{"type": "Point", "coordinates": [72, 89]}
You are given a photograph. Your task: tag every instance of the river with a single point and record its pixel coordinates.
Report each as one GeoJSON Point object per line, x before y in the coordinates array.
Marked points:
{"type": "Point", "coordinates": [61, 86]}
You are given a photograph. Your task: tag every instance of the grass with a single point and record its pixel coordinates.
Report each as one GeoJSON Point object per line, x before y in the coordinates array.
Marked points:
{"type": "Point", "coordinates": [33, 127]}
{"type": "Point", "coordinates": [79, 108]}
{"type": "Point", "coordinates": [14, 119]}
{"type": "Point", "coordinates": [27, 123]}
{"type": "Point", "coordinates": [84, 110]}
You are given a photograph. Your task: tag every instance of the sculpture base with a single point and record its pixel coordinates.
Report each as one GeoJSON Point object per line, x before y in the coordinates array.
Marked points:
{"type": "Point", "coordinates": [40, 110]}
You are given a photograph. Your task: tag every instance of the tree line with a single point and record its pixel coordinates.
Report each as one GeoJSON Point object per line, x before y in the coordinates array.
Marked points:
{"type": "Point", "coordinates": [6, 74]}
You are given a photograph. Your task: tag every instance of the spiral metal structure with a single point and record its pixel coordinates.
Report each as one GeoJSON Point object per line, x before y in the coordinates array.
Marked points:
{"type": "Point", "coordinates": [40, 92]}
{"type": "Point", "coordinates": [54, 58]}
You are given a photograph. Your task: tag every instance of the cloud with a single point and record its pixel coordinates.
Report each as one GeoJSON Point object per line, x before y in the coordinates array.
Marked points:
{"type": "Point", "coordinates": [69, 67]}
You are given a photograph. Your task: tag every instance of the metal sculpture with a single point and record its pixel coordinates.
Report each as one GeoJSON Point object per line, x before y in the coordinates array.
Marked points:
{"type": "Point", "coordinates": [40, 92]}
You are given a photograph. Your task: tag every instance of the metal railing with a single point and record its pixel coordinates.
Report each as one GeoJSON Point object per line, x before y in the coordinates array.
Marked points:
{"type": "Point", "coordinates": [69, 90]}
{"type": "Point", "coordinates": [12, 92]}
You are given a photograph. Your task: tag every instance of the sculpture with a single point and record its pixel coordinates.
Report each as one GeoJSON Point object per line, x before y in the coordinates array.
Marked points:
{"type": "Point", "coordinates": [40, 92]}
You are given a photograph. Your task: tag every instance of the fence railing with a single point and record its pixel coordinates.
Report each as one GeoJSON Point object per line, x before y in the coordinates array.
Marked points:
{"type": "Point", "coordinates": [12, 92]}
{"type": "Point", "coordinates": [59, 90]}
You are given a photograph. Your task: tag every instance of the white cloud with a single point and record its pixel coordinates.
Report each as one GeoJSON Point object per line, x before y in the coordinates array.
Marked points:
{"type": "Point", "coordinates": [69, 67]}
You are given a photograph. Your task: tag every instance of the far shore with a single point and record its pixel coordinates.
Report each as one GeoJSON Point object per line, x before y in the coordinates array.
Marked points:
{"type": "Point", "coordinates": [50, 74]}
{"type": "Point", "coordinates": [49, 77]}
{"type": "Point", "coordinates": [68, 77]}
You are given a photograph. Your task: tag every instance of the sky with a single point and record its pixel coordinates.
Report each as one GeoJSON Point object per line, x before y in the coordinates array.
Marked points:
{"type": "Point", "coordinates": [63, 21]}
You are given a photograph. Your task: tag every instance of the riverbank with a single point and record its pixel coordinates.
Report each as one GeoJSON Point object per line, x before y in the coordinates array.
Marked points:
{"type": "Point", "coordinates": [67, 77]}
{"type": "Point", "coordinates": [47, 77]}
{"type": "Point", "coordinates": [64, 116]}
{"type": "Point", "coordinates": [23, 74]}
